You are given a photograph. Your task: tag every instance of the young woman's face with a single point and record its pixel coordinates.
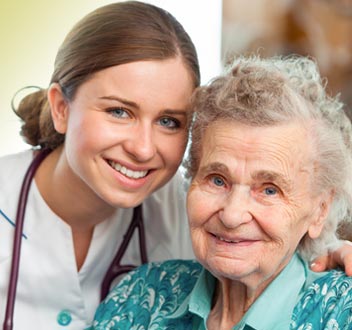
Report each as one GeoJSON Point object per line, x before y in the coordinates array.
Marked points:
{"type": "Point", "coordinates": [126, 129]}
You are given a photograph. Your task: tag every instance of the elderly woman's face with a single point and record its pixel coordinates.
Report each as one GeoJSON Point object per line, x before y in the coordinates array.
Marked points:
{"type": "Point", "coordinates": [251, 200]}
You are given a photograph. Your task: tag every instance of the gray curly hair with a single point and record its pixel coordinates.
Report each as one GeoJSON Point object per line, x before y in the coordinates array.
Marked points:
{"type": "Point", "coordinates": [266, 92]}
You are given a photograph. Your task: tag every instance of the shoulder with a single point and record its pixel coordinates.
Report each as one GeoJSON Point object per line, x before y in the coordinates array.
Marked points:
{"type": "Point", "coordinates": [151, 291]}
{"type": "Point", "coordinates": [167, 274]}
{"type": "Point", "coordinates": [12, 170]}
{"type": "Point", "coordinates": [26, 156]}
{"type": "Point", "coordinates": [12, 166]}
{"type": "Point", "coordinates": [327, 301]}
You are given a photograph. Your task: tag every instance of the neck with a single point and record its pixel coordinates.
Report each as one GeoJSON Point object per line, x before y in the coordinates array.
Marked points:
{"type": "Point", "coordinates": [68, 196]}
{"type": "Point", "coordinates": [231, 301]}
{"type": "Point", "coordinates": [71, 200]}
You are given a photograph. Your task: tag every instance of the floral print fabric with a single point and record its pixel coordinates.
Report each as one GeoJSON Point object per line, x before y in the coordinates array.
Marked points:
{"type": "Point", "coordinates": [148, 297]}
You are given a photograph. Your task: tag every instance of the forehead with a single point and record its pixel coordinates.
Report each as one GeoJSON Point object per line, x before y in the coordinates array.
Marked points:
{"type": "Point", "coordinates": [273, 147]}
{"type": "Point", "coordinates": [144, 81]}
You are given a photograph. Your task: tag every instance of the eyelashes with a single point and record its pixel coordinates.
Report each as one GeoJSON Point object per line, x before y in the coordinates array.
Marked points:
{"type": "Point", "coordinates": [118, 112]}
{"type": "Point", "coordinates": [260, 190]}
{"type": "Point", "coordinates": [165, 121]}
{"type": "Point", "coordinates": [170, 122]}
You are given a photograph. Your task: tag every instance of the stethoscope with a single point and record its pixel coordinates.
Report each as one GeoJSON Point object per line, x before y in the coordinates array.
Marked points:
{"type": "Point", "coordinates": [115, 269]}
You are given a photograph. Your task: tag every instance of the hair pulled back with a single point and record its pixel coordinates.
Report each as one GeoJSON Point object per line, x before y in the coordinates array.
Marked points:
{"type": "Point", "coordinates": [111, 35]}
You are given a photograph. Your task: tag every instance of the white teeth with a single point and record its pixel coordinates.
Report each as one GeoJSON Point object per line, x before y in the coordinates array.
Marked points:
{"type": "Point", "coordinates": [226, 240]}
{"type": "Point", "coordinates": [129, 173]}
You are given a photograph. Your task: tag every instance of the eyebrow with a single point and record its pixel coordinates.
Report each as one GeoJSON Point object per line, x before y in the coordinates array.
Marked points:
{"type": "Point", "coordinates": [275, 177]}
{"type": "Point", "coordinates": [214, 167]}
{"type": "Point", "coordinates": [136, 106]}
{"type": "Point", "coordinates": [121, 100]}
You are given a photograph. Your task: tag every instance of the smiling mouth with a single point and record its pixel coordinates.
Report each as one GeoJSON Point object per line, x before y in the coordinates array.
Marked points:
{"type": "Point", "coordinates": [226, 240]}
{"type": "Point", "coordinates": [127, 172]}
{"type": "Point", "coordinates": [234, 241]}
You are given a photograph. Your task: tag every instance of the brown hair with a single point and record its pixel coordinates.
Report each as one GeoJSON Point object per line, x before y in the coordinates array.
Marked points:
{"type": "Point", "coordinates": [111, 35]}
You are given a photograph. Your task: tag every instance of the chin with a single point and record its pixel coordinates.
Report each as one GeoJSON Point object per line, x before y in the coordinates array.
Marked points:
{"type": "Point", "coordinates": [230, 269]}
{"type": "Point", "coordinates": [126, 204]}
{"type": "Point", "coordinates": [118, 200]}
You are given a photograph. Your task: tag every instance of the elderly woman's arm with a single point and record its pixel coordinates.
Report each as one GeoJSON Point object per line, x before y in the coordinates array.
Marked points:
{"type": "Point", "coordinates": [341, 257]}
{"type": "Point", "coordinates": [147, 296]}
{"type": "Point", "coordinates": [325, 304]}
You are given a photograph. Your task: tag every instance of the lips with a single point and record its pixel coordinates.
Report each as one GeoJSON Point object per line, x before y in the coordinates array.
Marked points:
{"type": "Point", "coordinates": [227, 240]}
{"type": "Point", "coordinates": [234, 240]}
{"type": "Point", "coordinates": [126, 171]}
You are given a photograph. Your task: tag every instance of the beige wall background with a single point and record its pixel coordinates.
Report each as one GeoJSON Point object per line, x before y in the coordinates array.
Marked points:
{"type": "Point", "coordinates": [32, 30]}
{"type": "Point", "coordinates": [30, 33]}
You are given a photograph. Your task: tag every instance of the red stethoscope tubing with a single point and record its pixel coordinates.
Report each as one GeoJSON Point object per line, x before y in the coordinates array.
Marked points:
{"type": "Point", "coordinates": [17, 242]}
{"type": "Point", "coordinates": [114, 269]}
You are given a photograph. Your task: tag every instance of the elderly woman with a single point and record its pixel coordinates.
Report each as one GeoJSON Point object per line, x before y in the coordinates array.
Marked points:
{"type": "Point", "coordinates": [270, 164]}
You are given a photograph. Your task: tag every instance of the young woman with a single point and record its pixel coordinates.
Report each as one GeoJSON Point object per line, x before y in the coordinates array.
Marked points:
{"type": "Point", "coordinates": [115, 118]}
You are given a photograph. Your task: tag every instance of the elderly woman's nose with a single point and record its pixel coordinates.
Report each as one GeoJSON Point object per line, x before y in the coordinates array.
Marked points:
{"type": "Point", "coordinates": [236, 207]}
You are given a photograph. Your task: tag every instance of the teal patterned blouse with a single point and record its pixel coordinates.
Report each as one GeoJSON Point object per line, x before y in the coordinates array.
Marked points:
{"type": "Point", "coordinates": [177, 294]}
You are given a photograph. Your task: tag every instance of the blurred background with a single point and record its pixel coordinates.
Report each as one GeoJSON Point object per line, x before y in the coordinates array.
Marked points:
{"type": "Point", "coordinates": [31, 32]}
{"type": "Point", "coordinates": [318, 28]}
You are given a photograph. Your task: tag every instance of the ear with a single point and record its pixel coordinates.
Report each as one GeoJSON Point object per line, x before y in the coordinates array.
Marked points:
{"type": "Point", "coordinates": [58, 108]}
{"type": "Point", "coordinates": [315, 228]}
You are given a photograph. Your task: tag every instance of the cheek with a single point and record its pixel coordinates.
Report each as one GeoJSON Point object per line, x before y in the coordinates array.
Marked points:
{"type": "Point", "coordinates": [199, 207]}
{"type": "Point", "coordinates": [285, 225]}
{"type": "Point", "coordinates": [198, 214]}
{"type": "Point", "coordinates": [276, 222]}
{"type": "Point", "coordinates": [172, 148]}
{"type": "Point", "coordinates": [193, 205]}
{"type": "Point", "coordinates": [81, 129]}
{"type": "Point", "coordinates": [89, 132]}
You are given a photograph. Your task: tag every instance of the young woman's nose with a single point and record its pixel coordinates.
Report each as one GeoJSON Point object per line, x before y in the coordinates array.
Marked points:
{"type": "Point", "coordinates": [141, 144]}
{"type": "Point", "coordinates": [235, 208]}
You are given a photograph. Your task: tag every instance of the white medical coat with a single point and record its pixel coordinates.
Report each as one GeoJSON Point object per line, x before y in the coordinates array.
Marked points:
{"type": "Point", "coordinates": [50, 290]}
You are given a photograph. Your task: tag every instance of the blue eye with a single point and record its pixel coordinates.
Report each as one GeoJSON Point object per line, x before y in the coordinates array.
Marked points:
{"type": "Point", "coordinates": [270, 191]}
{"type": "Point", "coordinates": [218, 181]}
{"type": "Point", "coordinates": [118, 112]}
{"type": "Point", "coordinates": [169, 122]}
